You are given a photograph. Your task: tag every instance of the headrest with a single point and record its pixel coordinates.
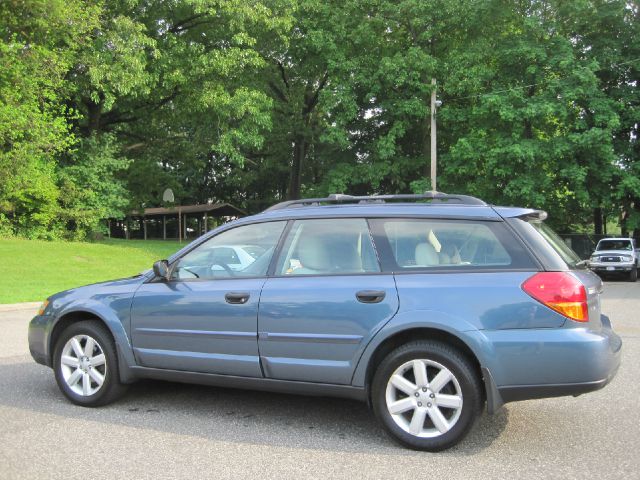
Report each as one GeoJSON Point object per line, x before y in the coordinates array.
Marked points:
{"type": "Point", "coordinates": [426, 255]}
{"type": "Point", "coordinates": [313, 253]}
{"type": "Point", "coordinates": [327, 254]}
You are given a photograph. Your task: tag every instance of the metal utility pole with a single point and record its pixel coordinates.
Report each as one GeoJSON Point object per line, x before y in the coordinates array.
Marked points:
{"type": "Point", "coordinates": [433, 136]}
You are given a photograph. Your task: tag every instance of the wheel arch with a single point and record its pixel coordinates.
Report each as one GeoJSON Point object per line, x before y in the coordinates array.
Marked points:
{"type": "Point", "coordinates": [402, 337]}
{"type": "Point", "coordinates": [64, 322]}
{"type": "Point", "coordinates": [78, 315]}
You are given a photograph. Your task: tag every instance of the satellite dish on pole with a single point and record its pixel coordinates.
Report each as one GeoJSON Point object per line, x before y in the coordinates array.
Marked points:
{"type": "Point", "coordinates": [167, 196]}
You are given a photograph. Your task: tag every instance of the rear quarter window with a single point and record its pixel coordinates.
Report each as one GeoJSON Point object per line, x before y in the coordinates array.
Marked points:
{"type": "Point", "coordinates": [549, 248]}
{"type": "Point", "coordinates": [570, 257]}
{"type": "Point", "coordinates": [451, 245]}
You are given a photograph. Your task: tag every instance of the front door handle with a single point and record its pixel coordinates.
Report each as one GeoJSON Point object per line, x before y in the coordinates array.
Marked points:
{"type": "Point", "coordinates": [237, 297]}
{"type": "Point", "coordinates": [370, 296]}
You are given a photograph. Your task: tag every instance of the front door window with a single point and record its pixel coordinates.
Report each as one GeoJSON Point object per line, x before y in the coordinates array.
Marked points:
{"type": "Point", "coordinates": [243, 251]}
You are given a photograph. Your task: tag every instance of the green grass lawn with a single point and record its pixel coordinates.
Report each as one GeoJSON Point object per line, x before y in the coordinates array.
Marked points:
{"type": "Point", "coordinates": [33, 269]}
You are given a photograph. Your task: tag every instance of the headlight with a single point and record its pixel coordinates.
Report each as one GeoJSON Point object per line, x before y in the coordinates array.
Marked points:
{"type": "Point", "coordinates": [593, 258]}
{"type": "Point", "coordinates": [43, 307]}
{"type": "Point", "coordinates": [627, 258]}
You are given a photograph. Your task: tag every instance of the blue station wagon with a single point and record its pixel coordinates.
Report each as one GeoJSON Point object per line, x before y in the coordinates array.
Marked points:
{"type": "Point", "coordinates": [428, 307]}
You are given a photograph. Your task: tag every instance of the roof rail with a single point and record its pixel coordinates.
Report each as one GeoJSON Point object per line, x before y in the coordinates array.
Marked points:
{"type": "Point", "coordinates": [337, 198]}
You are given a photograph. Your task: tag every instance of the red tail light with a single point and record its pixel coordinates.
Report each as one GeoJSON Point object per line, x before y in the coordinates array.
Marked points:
{"type": "Point", "coordinates": [561, 292]}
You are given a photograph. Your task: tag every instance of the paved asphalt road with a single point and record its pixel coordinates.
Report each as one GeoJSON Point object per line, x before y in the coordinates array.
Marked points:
{"type": "Point", "coordinates": [164, 430]}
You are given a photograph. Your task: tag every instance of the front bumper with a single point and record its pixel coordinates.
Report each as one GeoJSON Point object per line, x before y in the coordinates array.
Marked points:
{"type": "Point", "coordinates": [528, 364]}
{"type": "Point", "coordinates": [612, 267]}
{"type": "Point", "coordinates": [39, 339]}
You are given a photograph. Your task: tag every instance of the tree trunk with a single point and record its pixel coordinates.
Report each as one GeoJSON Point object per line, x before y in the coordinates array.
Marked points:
{"type": "Point", "coordinates": [597, 221]}
{"type": "Point", "coordinates": [94, 115]}
{"type": "Point", "coordinates": [528, 130]}
{"type": "Point", "coordinates": [528, 125]}
{"type": "Point", "coordinates": [303, 137]}
{"type": "Point", "coordinates": [623, 221]}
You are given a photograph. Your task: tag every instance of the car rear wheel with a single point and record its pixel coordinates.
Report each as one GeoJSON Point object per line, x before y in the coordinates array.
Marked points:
{"type": "Point", "coordinates": [86, 365]}
{"type": "Point", "coordinates": [427, 395]}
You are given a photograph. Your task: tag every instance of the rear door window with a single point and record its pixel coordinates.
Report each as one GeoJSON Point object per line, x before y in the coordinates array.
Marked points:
{"type": "Point", "coordinates": [328, 247]}
{"type": "Point", "coordinates": [419, 244]}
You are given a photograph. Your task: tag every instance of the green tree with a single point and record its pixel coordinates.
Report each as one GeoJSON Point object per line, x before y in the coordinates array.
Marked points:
{"type": "Point", "coordinates": [38, 40]}
{"type": "Point", "coordinates": [609, 34]}
{"type": "Point", "coordinates": [524, 120]}
{"type": "Point", "coordinates": [90, 187]}
{"type": "Point", "coordinates": [544, 138]}
{"type": "Point", "coordinates": [192, 112]}
{"type": "Point", "coordinates": [253, 102]}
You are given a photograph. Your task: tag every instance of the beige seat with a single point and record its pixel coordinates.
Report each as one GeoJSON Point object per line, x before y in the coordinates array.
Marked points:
{"type": "Point", "coordinates": [426, 255]}
{"type": "Point", "coordinates": [314, 257]}
{"type": "Point", "coordinates": [322, 255]}
{"type": "Point", "coordinates": [449, 255]}
{"type": "Point", "coordinates": [454, 255]}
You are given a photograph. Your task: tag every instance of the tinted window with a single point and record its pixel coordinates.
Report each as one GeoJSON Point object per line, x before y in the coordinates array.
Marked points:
{"type": "Point", "coordinates": [570, 257]}
{"type": "Point", "coordinates": [328, 246]}
{"type": "Point", "coordinates": [244, 251]}
{"type": "Point", "coordinates": [450, 244]}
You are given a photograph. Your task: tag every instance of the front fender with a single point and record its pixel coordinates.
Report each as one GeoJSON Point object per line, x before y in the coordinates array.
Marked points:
{"type": "Point", "coordinates": [113, 322]}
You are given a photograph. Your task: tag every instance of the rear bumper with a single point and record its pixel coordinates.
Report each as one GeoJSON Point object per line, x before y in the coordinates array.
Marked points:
{"type": "Point", "coordinates": [516, 393]}
{"type": "Point", "coordinates": [549, 363]}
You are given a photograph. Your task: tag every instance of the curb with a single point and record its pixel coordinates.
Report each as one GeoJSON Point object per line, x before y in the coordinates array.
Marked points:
{"type": "Point", "coordinates": [10, 307]}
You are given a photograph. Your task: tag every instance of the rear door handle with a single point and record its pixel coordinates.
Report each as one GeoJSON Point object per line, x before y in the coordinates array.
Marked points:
{"type": "Point", "coordinates": [237, 297]}
{"type": "Point", "coordinates": [370, 296]}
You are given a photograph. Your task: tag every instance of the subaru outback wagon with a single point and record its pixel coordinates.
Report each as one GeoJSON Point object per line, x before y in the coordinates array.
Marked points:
{"type": "Point", "coordinates": [425, 306]}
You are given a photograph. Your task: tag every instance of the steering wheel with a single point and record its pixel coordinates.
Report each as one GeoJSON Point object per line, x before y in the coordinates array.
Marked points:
{"type": "Point", "coordinates": [190, 271]}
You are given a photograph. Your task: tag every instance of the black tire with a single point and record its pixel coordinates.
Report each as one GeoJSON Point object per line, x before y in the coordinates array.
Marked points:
{"type": "Point", "coordinates": [111, 388]}
{"type": "Point", "coordinates": [633, 275]}
{"type": "Point", "coordinates": [463, 371]}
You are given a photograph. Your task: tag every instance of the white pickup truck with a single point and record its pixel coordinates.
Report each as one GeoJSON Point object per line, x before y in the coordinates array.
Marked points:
{"type": "Point", "coordinates": [616, 255]}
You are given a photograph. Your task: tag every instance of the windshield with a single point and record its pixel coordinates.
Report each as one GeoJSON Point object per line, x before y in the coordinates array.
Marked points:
{"type": "Point", "coordinates": [569, 256]}
{"type": "Point", "coordinates": [614, 245]}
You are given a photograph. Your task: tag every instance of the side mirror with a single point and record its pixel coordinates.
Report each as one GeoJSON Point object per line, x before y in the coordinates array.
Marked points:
{"type": "Point", "coordinates": [161, 269]}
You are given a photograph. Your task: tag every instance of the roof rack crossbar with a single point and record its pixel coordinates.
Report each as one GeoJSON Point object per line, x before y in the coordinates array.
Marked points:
{"type": "Point", "coordinates": [338, 198]}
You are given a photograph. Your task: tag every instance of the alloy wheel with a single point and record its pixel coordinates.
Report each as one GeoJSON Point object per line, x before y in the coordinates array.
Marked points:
{"type": "Point", "coordinates": [424, 398]}
{"type": "Point", "coordinates": [83, 365]}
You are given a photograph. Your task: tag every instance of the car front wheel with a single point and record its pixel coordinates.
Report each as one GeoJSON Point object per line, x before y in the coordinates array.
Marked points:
{"type": "Point", "coordinates": [427, 395]}
{"type": "Point", "coordinates": [86, 365]}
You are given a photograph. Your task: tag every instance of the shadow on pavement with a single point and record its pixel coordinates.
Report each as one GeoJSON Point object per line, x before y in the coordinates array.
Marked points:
{"type": "Point", "coordinates": [229, 415]}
